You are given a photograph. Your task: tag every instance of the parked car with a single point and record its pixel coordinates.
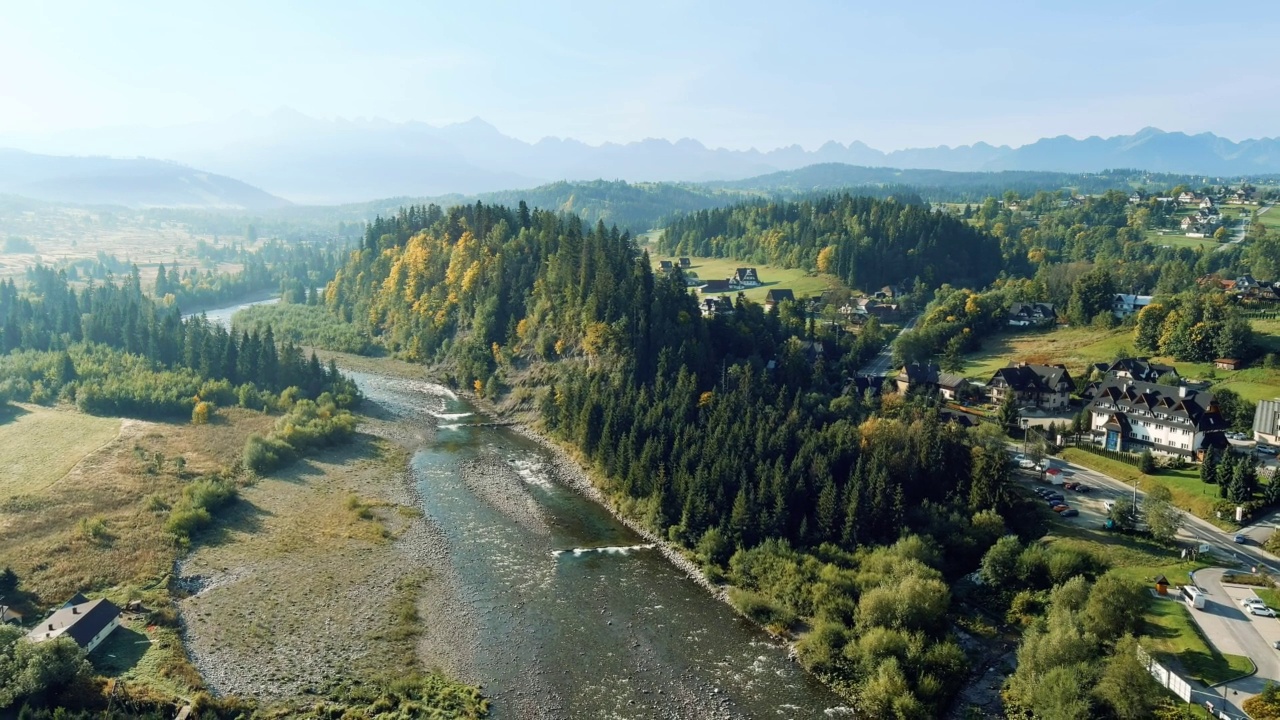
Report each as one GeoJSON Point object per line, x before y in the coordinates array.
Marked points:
{"type": "Point", "coordinates": [1266, 450]}
{"type": "Point", "coordinates": [1251, 601]}
{"type": "Point", "coordinates": [1070, 512]}
{"type": "Point", "coordinates": [1059, 508]}
{"type": "Point", "coordinates": [1241, 539]}
{"type": "Point", "coordinates": [1082, 488]}
{"type": "Point", "coordinates": [1026, 464]}
{"type": "Point", "coordinates": [1069, 485]}
{"type": "Point", "coordinates": [1262, 611]}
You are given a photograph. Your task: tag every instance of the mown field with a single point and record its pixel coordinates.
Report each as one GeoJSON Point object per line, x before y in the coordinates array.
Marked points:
{"type": "Point", "coordinates": [38, 445]}
{"type": "Point", "coordinates": [92, 520]}
{"type": "Point", "coordinates": [798, 281]}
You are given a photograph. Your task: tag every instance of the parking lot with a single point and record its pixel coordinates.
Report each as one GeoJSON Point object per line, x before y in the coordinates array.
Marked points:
{"type": "Point", "coordinates": [1233, 629]}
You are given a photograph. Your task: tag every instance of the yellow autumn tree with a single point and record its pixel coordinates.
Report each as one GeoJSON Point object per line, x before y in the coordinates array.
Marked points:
{"type": "Point", "coordinates": [827, 259]}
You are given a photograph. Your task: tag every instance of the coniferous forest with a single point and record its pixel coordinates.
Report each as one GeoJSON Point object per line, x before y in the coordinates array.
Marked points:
{"type": "Point", "coordinates": [732, 435]}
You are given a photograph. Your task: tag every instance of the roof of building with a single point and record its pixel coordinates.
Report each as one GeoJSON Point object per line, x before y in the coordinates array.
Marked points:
{"type": "Point", "coordinates": [80, 622]}
{"type": "Point", "coordinates": [1138, 368]}
{"type": "Point", "coordinates": [8, 614]}
{"type": "Point", "coordinates": [950, 380]}
{"type": "Point", "coordinates": [743, 273]}
{"type": "Point", "coordinates": [1266, 418]}
{"type": "Point", "coordinates": [77, 599]}
{"type": "Point", "coordinates": [963, 419]}
{"type": "Point", "coordinates": [715, 286]}
{"type": "Point", "coordinates": [779, 294]}
{"type": "Point", "coordinates": [918, 372]}
{"type": "Point", "coordinates": [1032, 310]}
{"type": "Point", "coordinates": [1031, 378]}
{"type": "Point", "coordinates": [1165, 404]}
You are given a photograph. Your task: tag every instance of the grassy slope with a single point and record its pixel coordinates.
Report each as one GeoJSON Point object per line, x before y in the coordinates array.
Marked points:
{"type": "Point", "coordinates": [39, 445]}
{"type": "Point", "coordinates": [1078, 347]}
{"type": "Point", "coordinates": [42, 539]}
{"type": "Point", "coordinates": [798, 281]}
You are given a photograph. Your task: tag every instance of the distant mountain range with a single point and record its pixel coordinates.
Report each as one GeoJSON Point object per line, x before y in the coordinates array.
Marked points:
{"type": "Point", "coordinates": [131, 183]}
{"type": "Point", "coordinates": [319, 161]}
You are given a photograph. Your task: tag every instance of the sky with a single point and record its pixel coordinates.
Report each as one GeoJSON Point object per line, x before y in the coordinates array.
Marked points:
{"type": "Point", "coordinates": [730, 74]}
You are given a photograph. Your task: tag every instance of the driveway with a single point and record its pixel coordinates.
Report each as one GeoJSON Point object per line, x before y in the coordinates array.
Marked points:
{"type": "Point", "coordinates": [1234, 630]}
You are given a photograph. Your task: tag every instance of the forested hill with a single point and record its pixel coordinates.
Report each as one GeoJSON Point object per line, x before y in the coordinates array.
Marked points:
{"type": "Point", "coordinates": [731, 435]}
{"type": "Point", "coordinates": [863, 241]}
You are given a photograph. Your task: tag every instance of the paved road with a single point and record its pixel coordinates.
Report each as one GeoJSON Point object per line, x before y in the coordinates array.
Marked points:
{"type": "Point", "coordinates": [880, 364]}
{"type": "Point", "coordinates": [1240, 231]}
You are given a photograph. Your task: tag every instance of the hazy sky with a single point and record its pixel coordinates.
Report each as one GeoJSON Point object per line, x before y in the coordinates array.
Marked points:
{"type": "Point", "coordinates": [731, 74]}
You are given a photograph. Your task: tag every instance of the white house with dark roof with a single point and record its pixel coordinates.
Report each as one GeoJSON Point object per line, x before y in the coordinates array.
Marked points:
{"type": "Point", "coordinates": [1046, 386]}
{"type": "Point", "coordinates": [1123, 304]}
{"type": "Point", "coordinates": [744, 278]}
{"type": "Point", "coordinates": [1130, 416]}
{"type": "Point", "coordinates": [87, 623]}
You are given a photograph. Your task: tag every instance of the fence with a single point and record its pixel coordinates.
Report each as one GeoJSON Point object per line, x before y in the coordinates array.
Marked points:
{"type": "Point", "coordinates": [1179, 686]}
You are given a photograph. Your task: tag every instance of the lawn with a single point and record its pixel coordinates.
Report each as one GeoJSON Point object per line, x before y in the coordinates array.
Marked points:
{"type": "Point", "coordinates": [1075, 347]}
{"type": "Point", "coordinates": [1175, 238]}
{"type": "Point", "coordinates": [1188, 492]}
{"type": "Point", "coordinates": [38, 445]}
{"type": "Point", "coordinates": [801, 282]}
{"type": "Point", "coordinates": [1169, 632]}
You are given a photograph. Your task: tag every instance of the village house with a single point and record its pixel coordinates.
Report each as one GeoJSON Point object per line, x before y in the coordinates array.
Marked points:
{"type": "Point", "coordinates": [951, 385]}
{"type": "Point", "coordinates": [1042, 386]}
{"type": "Point", "coordinates": [685, 262]}
{"type": "Point", "coordinates": [776, 296]}
{"type": "Point", "coordinates": [1137, 369]}
{"type": "Point", "coordinates": [1130, 416]}
{"type": "Point", "coordinates": [714, 287]}
{"type": "Point", "coordinates": [87, 623]}
{"type": "Point", "coordinates": [1206, 203]}
{"type": "Point", "coordinates": [1262, 293]}
{"type": "Point", "coordinates": [1227, 364]}
{"type": "Point", "coordinates": [664, 266]}
{"type": "Point", "coordinates": [744, 278]}
{"type": "Point", "coordinates": [1246, 281]}
{"type": "Point", "coordinates": [1239, 197]}
{"type": "Point", "coordinates": [917, 375]}
{"type": "Point", "coordinates": [1266, 421]}
{"type": "Point", "coordinates": [713, 306]}
{"type": "Point", "coordinates": [1123, 305]}
{"type": "Point", "coordinates": [1187, 197]}
{"type": "Point", "coordinates": [1027, 314]}
{"type": "Point", "coordinates": [1136, 197]}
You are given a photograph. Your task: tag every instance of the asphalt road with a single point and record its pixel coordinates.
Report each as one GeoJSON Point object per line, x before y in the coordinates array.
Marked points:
{"type": "Point", "coordinates": [1230, 628]}
{"type": "Point", "coordinates": [880, 364]}
{"type": "Point", "coordinates": [1239, 236]}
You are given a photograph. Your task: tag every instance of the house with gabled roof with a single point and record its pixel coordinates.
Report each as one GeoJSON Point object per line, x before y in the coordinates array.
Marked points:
{"type": "Point", "coordinates": [744, 278]}
{"type": "Point", "coordinates": [1136, 369]}
{"type": "Point", "coordinates": [776, 296]}
{"type": "Point", "coordinates": [87, 623]}
{"type": "Point", "coordinates": [1043, 386]}
{"type": "Point", "coordinates": [1131, 416]}
{"type": "Point", "coordinates": [1266, 422]}
{"type": "Point", "coordinates": [1033, 313]}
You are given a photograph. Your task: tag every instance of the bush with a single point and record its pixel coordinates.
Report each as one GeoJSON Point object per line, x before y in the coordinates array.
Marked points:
{"type": "Point", "coordinates": [761, 609]}
{"type": "Point", "coordinates": [195, 509]}
{"type": "Point", "coordinates": [1147, 462]}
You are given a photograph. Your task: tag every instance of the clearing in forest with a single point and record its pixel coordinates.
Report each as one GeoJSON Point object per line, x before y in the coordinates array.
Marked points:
{"type": "Point", "coordinates": [39, 445]}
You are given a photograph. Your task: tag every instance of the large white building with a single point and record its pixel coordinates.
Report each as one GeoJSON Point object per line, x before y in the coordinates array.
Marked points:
{"type": "Point", "coordinates": [1131, 416]}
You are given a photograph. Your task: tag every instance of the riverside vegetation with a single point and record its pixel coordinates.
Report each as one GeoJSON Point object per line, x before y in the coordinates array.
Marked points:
{"type": "Point", "coordinates": [155, 489]}
{"type": "Point", "coordinates": [840, 513]}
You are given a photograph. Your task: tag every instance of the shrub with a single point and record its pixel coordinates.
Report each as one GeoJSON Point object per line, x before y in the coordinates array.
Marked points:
{"type": "Point", "coordinates": [761, 609]}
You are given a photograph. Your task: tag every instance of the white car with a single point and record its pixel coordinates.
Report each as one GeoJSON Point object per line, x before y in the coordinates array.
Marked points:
{"type": "Point", "coordinates": [1262, 611]}
{"type": "Point", "coordinates": [1252, 602]}
{"type": "Point", "coordinates": [1026, 464]}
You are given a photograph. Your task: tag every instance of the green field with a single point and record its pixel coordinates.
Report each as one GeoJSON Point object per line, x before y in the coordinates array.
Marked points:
{"type": "Point", "coordinates": [1175, 238]}
{"type": "Point", "coordinates": [1075, 347]}
{"type": "Point", "coordinates": [1270, 218]}
{"type": "Point", "coordinates": [38, 445]}
{"type": "Point", "coordinates": [800, 282]}
{"type": "Point", "coordinates": [1080, 347]}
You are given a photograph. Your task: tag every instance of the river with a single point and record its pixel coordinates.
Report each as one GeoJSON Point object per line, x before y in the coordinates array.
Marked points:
{"type": "Point", "coordinates": [568, 613]}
